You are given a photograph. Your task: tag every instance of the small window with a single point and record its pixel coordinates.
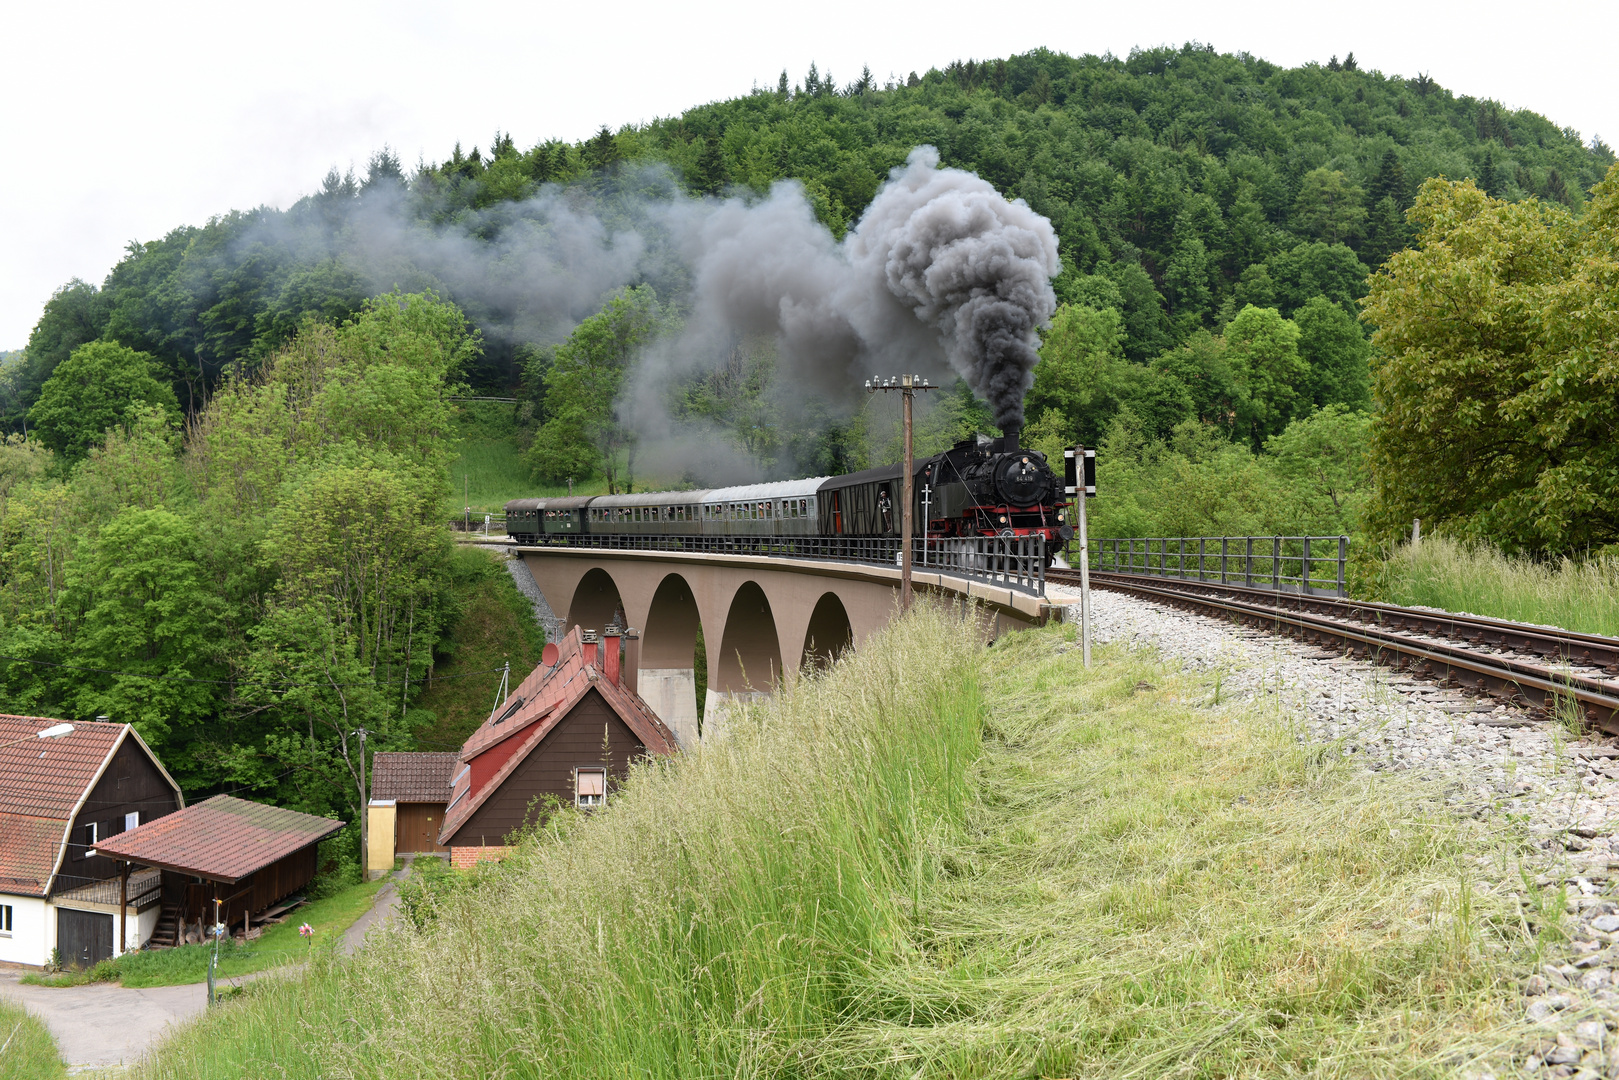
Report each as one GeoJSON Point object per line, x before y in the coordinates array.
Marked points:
{"type": "Point", "coordinates": [5, 920]}
{"type": "Point", "coordinates": [590, 787]}
{"type": "Point", "coordinates": [132, 821]}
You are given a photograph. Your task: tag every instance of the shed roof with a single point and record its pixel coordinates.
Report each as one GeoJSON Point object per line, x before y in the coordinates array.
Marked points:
{"type": "Point", "coordinates": [222, 839]}
{"type": "Point", "coordinates": [413, 777]}
{"type": "Point", "coordinates": [541, 702]}
{"type": "Point", "coordinates": [43, 782]}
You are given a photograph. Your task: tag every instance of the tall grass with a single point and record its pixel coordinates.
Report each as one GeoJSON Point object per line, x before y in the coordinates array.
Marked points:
{"type": "Point", "coordinates": [933, 861]}
{"type": "Point", "coordinates": [27, 1051]}
{"type": "Point", "coordinates": [1443, 573]}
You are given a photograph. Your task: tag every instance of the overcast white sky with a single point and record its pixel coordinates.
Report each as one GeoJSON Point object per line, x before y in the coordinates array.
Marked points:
{"type": "Point", "coordinates": [122, 121]}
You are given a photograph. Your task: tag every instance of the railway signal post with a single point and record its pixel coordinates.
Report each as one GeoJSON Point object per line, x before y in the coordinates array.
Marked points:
{"type": "Point", "coordinates": [1079, 480]}
{"type": "Point", "coordinates": [907, 385]}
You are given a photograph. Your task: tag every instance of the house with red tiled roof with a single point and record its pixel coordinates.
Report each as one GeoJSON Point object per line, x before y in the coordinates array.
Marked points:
{"type": "Point", "coordinates": [568, 733]}
{"type": "Point", "coordinates": [65, 789]}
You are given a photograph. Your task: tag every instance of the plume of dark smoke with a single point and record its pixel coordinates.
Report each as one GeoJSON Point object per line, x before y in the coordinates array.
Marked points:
{"type": "Point", "coordinates": [941, 274]}
{"type": "Point", "coordinates": [941, 269]}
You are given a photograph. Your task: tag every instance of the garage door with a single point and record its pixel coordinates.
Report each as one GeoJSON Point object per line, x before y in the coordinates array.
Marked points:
{"type": "Point", "coordinates": [83, 937]}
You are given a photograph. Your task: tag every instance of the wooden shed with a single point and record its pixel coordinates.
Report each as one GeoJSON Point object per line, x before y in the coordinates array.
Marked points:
{"type": "Point", "coordinates": [246, 855]}
{"type": "Point", "coordinates": [408, 794]}
{"type": "Point", "coordinates": [568, 734]}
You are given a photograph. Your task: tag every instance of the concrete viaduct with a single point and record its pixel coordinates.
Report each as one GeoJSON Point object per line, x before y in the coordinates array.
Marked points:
{"type": "Point", "coordinates": [761, 617]}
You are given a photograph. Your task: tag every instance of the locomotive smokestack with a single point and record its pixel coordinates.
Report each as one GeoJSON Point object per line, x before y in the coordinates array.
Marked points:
{"type": "Point", "coordinates": [1009, 437]}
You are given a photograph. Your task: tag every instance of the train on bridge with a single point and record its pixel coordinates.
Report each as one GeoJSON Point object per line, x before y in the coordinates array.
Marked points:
{"type": "Point", "coordinates": [979, 487]}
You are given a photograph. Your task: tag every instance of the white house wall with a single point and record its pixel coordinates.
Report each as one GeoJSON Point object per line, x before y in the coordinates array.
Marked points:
{"type": "Point", "coordinates": [33, 931]}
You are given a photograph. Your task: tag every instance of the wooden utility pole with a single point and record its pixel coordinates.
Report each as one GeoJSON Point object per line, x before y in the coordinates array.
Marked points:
{"type": "Point", "coordinates": [365, 813]}
{"type": "Point", "coordinates": [907, 385]}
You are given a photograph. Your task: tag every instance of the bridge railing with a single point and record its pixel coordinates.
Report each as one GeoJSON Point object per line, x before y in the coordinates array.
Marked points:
{"type": "Point", "coordinates": [1299, 564]}
{"type": "Point", "coordinates": [1013, 562]}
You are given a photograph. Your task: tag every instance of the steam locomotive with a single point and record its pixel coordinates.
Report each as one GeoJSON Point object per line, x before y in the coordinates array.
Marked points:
{"type": "Point", "coordinates": [979, 487]}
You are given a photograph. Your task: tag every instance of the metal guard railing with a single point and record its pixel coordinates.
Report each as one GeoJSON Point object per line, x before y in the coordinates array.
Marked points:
{"type": "Point", "coordinates": [1256, 562]}
{"type": "Point", "coordinates": [1013, 562]}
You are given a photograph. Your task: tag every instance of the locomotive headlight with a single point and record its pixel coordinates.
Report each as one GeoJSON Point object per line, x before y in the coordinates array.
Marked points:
{"type": "Point", "coordinates": [1003, 519]}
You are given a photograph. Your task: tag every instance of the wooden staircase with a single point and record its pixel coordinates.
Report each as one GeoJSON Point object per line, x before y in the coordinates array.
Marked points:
{"type": "Point", "coordinates": [167, 933]}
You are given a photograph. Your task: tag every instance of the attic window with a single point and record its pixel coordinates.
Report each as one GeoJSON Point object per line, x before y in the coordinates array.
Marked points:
{"type": "Point", "coordinates": [589, 787]}
{"type": "Point", "coordinates": [517, 703]}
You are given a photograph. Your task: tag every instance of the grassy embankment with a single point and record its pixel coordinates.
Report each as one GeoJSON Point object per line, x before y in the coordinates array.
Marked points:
{"type": "Point", "coordinates": [1453, 576]}
{"type": "Point", "coordinates": [27, 1051]}
{"type": "Point", "coordinates": [929, 862]}
{"type": "Point", "coordinates": [495, 624]}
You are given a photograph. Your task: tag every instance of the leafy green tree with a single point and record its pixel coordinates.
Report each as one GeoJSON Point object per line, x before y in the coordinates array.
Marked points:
{"type": "Point", "coordinates": [1329, 207]}
{"type": "Point", "coordinates": [145, 611]}
{"type": "Point", "coordinates": [1201, 364]}
{"type": "Point", "coordinates": [1315, 269]}
{"type": "Point", "coordinates": [1386, 232]}
{"type": "Point", "coordinates": [1081, 372]}
{"type": "Point", "coordinates": [1188, 282]}
{"type": "Point", "coordinates": [1337, 353]}
{"type": "Point", "coordinates": [75, 315]}
{"type": "Point", "coordinates": [1146, 324]}
{"type": "Point", "coordinates": [1389, 183]}
{"type": "Point", "coordinates": [100, 385]}
{"type": "Point", "coordinates": [584, 433]}
{"type": "Point", "coordinates": [1252, 236]}
{"type": "Point", "coordinates": [1323, 458]}
{"type": "Point", "coordinates": [1495, 379]}
{"type": "Point", "coordinates": [1263, 349]}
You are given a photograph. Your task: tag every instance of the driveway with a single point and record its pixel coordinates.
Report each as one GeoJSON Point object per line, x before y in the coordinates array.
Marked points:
{"type": "Point", "coordinates": [103, 1024]}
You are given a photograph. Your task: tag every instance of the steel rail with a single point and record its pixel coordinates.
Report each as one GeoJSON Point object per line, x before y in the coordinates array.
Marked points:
{"type": "Point", "coordinates": [1567, 646]}
{"type": "Point", "coordinates": [1507, 678]}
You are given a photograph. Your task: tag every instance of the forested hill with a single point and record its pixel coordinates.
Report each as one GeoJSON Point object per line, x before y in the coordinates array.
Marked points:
{"type": "Point", "coordinates": [1197, 181]}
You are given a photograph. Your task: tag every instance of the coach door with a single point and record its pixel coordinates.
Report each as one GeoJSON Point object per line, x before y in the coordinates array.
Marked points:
{"type": "Point", "coordinates": [84, 938]}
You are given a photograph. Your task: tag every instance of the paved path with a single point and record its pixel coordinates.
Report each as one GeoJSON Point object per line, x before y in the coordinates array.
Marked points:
{"type": "Point", "coordinates": [381, 911]}
{"type": "Point", "coordinates": [104, 1024]}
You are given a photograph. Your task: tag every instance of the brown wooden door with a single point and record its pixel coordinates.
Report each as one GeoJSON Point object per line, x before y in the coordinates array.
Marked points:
{"type": "Point", "coordinates": [417, 826]}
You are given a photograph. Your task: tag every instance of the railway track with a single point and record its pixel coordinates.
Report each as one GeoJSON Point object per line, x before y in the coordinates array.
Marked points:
{"type": "Point", "coordinates": [1544, 672]}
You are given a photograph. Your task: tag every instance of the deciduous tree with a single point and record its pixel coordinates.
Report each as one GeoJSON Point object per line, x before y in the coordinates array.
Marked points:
{"type": "Point", "coordinates": [100, 385]}
{"type": "Point", "coordinates": [1495, 375]}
